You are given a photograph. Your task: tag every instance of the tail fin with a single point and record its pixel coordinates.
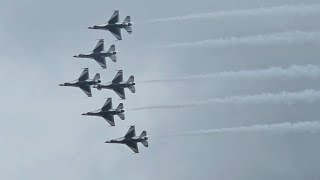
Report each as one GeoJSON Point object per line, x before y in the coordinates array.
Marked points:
{"type": "Point", "coordinates": [131, 79]}
{"type": "Point", "coordinates": [127, 19]}
{"type": "Point", "coordinates": [96, 77]}
{"type": "Point", "coordinates": [121, 116]}
{"type": "Point", "coordinates": [145, 143]}
{"type": "Point", "coordinates": [128, 29]}
{"type": "Point", "coordinates": [120, 107]}
{"type": "Point", "coordinates": [143, 134]}
{"type": "Point", "coordinates": [112, 48]}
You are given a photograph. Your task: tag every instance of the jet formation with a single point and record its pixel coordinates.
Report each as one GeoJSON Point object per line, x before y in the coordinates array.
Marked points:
{"type": "Point", "coordinates": [99, 54]}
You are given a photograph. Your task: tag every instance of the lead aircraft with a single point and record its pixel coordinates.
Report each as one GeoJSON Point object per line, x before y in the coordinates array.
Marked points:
{"type": "Point", "coordinates": [84, 82]}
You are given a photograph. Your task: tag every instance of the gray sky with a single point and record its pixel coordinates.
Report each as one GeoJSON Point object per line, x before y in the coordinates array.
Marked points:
{"type": "Point", "coordinates": [43, 135]}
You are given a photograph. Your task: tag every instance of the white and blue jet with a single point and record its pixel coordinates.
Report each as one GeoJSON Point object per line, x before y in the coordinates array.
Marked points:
{"type": "Point", "coordinates": [84, 82]}
{"type": "Point", "coordinates": [118, 85]}
{"type": "Point", "coordinates": [107, 112]}
{"type": "Point", "coordinates": [131, 140]}
{"type": "Point", "coordinates": [99, 54]}
{"type": "Point", "coordinates": [114, 26]}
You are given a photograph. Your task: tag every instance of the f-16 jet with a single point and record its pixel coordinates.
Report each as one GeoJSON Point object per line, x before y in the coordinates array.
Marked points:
{"type": "Point", "coordinates": [118, 85]}
{"type": "Point", "coordinates": [114, 26]}
{"type": "Point", "coordinates": [107, 112]}
{"type": "Point", "coordinates": [99, 54]}
{"type": "Point", "coordinates": [131, 140]}
{"type": "Point", "coordinates": [84, 82]}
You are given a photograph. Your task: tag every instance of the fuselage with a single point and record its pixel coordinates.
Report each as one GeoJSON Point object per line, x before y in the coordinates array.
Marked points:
{"type": "Point", "coordinates": [111, 26]}
{"type": "Point", "coordinates": [102, 113]}
{"type": "Point", "coordinates": [124, 140]}
{"type": "Point", "coordinates": [81, 83]}
{"type": "Point", "coordinates": [95, 55]}
{"type": "Point", "coordinates": [115, 85]}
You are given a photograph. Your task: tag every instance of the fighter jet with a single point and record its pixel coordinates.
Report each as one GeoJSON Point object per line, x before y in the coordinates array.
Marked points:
{"type": "Point", "coordinates": [118, 85]}
{"type": "Point", "coordinates": [131, 140]}
{"type": "Point", "coordinates": [114, 26]}
{"type": "Point", "coordinates": [99, 55]}
{"type": "Point", "coordinates": [107, 112]}
{"type": "Point", "coordinates": [84, 82]}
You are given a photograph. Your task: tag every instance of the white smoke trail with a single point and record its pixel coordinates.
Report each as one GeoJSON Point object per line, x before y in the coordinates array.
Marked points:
{"type": "Point", "coordinates": [301, 9]}
{"type": "Point", "coordinates": [262, 39]}
{"type": "Point", "coordinates": [293, 71]}
{"type": "Point", "coordinates": [281, 128]}
{"type": "Point", "coordinates": [307, 96]}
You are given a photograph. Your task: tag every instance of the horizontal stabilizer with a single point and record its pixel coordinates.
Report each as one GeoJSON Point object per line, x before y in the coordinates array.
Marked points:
{"type": "Point", "coordinates": [127, 19]}
{"type": "Point", "coordinates": [96, 77]}
{"type": "Point", "coordinates": [128, 29]}
{"type": "Point", "coordinates": [122, 116]}
{"type": "Point", "coordinates": [143, 134]}
{"type": "Point", "coordinates": [112, 48]}
{"type": "Point", "coordinates": [120, 107]}
{"type": "Point", "coordinates": [113, 58]}
{"type": "Point", "coordinates": [131, 79]}
{"type": "Point", "coordinates": [132, 89]}
{"type": "Point", "coordinates": [145, 143]}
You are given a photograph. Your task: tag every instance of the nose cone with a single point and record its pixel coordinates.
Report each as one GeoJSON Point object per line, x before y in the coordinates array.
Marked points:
{"type": "Point", "coordinates": [84, 114]}
{"type": "Point", "coordinates": [107, 142]}
{"type": "Point", "coordinates": [90, 27]}
{"type": "Point", "coordinates": [61, 84]}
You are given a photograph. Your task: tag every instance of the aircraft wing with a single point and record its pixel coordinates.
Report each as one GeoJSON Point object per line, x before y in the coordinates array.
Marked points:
{"type": "Point", "coordinates": [116, 32]}
{"type": "Point", "coordinates": [118, 78]}
{"type": "Point", "coordinates": [114, 18]}
{"type": "Point", "coordinates": [109, 119]}
{"type": "Point", "coordinates": [133, 146]}
{"type": "Point", "coordinates": [120, 92]}
{"type": "Point", "coordinates": [85, 75]}
{"type": "Point", "coordinates": [107, 105]}
{"type": "Point", "coordinates": [86, 89]}
{"type": "Point", "coordinates": [99, 47]}
{"type": "Point", "coordinates": [131, 132]}
{"type": "Point", "coordinates": [101, 61]}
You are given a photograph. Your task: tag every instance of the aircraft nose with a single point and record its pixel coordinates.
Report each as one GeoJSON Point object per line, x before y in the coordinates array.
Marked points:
{"type": "Point", "coordinates": [61, 84]}
{"type": "Point", "coordinates": [84, 114]}
{"type": "Point", "coordinates": [108, 142]}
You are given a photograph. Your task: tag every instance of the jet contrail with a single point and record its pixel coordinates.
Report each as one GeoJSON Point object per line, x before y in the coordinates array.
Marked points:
{"type": "Point", "coordinates": [307, 96]}
{"type": "Point", "coordinates": [281, 128]}
{"type": "Point", "coordinates": [262, 39]}
{"type": "Point", "coordinates": [275, 10]}
{"type": "Point", "coordinates": [293, 71]}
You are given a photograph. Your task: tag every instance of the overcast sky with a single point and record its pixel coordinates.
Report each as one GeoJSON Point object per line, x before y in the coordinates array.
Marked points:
{"type": "Point", "coordinates": [44, 136]}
